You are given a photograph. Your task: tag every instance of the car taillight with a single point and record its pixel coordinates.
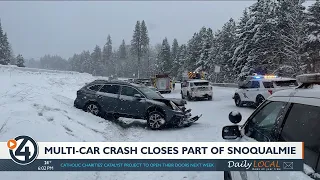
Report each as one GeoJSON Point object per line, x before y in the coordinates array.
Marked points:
{"type": "Point", "coordinates": [270, 91]}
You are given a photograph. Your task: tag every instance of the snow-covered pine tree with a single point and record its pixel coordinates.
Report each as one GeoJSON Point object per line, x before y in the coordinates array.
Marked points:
{"type": "Point", "coordinates": [164, 57]}
{"type": "Point", "coordinates": [5, 52]}
{"type": "Point", "coordinates": [291, 31]}
{"type": "Point", "coordinates": [182, 60]}
{"type": "Point", "coordinates": [241, 44]}
{"type": "Point", "coordinates": [253, 35]}
{"type": "Point", "coordinates": [87, 65]}
{"type": "Point", "coordinates": [175, 57]}
{"type": "Point", "coordinates": [225, 39]}
{"type": "Point", "coordinates": [206, 43]}
{"type": "Point", "coordinates": [194, 47]}
{"type": "Point", "coordinates": [312, 40]}
{"type": "Point", "coordinates": [122, 61]}
{"type": "Point", "coordinates": [20, 61]}
{"type": "Point", "coordinates": [107, 57]}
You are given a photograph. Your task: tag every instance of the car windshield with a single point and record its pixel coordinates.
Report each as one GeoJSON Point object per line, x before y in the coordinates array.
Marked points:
{"type": "Point", "coordinates": [201, 83]}
{"type": "Point", "coordinates": [149, 93]}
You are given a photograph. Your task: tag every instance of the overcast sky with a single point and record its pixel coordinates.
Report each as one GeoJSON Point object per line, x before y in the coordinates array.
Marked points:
{"type": "Point", "coordinates": [68, 27]}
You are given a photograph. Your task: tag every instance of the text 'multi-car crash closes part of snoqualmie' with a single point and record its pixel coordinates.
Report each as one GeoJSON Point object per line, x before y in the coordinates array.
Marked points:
{"type": "Point", "coordinates": [291, 115]}
{"type": "Point", "coordinates": [123, 99]}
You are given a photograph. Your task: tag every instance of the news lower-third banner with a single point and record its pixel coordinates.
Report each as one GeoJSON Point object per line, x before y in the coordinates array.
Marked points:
{"type": "Point", "coordinates": [24, 153]}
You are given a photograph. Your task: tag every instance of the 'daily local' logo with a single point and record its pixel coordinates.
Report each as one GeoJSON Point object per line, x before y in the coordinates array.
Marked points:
{"type": "Point", "coordinates": [23, 149]}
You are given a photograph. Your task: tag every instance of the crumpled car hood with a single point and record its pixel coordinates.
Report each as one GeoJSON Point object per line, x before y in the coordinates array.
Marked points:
{"type": "Point", "coordinates": [178, 102]}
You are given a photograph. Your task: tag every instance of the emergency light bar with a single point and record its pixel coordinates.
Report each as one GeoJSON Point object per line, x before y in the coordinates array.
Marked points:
{"type": "Point", "coordinates": [309, 78]}
{"type": "Point", "coordinates": [265, 76]}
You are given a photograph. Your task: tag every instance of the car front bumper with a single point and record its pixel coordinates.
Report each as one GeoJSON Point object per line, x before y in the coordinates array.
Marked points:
{"type": "Point", "coordinates": [184, 117]}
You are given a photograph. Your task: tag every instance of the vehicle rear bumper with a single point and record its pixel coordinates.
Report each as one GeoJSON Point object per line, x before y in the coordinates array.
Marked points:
{"type": "Point", "coordinates": [204, 94]}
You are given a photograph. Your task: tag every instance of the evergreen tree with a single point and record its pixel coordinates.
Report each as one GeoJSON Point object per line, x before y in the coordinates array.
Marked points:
{"type": "Point", "coordinates": [164, 58]}
{"type": "Point", "coordinates": [182, 60]}
{"type": "Point", "coordinates": [123, 59]}
{"type": "Point", "coordinates": [242, 48]}
{"type": "Point", "coordinates": [107, 57]}
{"type": "Point", "coordinates": [175, 57]}
{"type": "Point", "coordinates": [226, 38]}
{"type": "Point", "coordinates": [194, 48]}
{"type": "Point", "coordinates": [20, 61]}
{"type": "Point", "coordinates": [291, 31]}
{"type": "Point", "coordinates": [140, 43]}
{"type": "Point", "coordinates": [5, 48]}
{"type": "Point", "coordinates": [87, 65]}
{"type": "Point", "coordinates": [206, 43]}
{"type": "Point", "coordinates": [312, 40]}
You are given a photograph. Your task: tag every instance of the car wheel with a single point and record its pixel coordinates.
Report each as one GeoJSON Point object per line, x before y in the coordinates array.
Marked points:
{"type": "Point", "coordinates": [156, 120]}
{"type": "Point", "coordinates": [189, 97]}
{"type": "Point", "coordinates": [259, 100]}
{"type": "Point", "coordinates": [182, 96]}
{"type": "Point", "coordinates": [227, 175]}
{"type": "Point", "coordinates": [237, 101]}
{"type": "Point", "coordinates": [210, 98]}
{"type": "Point", "coordinates": [93, 108]}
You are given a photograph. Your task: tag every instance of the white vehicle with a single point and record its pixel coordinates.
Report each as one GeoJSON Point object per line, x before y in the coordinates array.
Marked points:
{"type": "Point", "coordinates": [196, 88]}
{"type": "Point", "coordinates": [287, 116]}
{"type": "Point", "coordinates": [259, 88]}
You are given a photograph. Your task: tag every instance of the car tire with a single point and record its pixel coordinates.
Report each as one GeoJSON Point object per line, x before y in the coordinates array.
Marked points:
{"type": "Point", "coordinates": [210, 98]}
{"type": "Point", "coordinates": [259, 100]}
{"type": "Point", "coordinates": [156, 120]}
{"type": "Point", "coordinates": [182, 96]}
{"type": "Point", "coordinates": [227, 175]}
{"type": "Point", "coordinates": [93, 108]}
{"type": "Point", "coordinates": [189, 97]}
{"type": "Point", "coordinates": [237, 101]}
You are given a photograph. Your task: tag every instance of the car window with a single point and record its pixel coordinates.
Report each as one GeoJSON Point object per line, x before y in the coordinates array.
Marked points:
{"type": "Point", "coordinates": [112, 89]}
{"type": "Point", "coordinates": [95, 87]}
{"type": "Point", "coordinates": [255, 84]}
{"type": "Point", "coordinates": [303, 125]}
{"type": "Point", "coordinates": [191, 84]}
{"type": "Point", "coordinates": [268, 84]}
{"type": "Point", "coordinates": [262, 124]}
{"type": "Point", "coordinates": [289, 83]}
{"type": "Point", "coordinates": [248, 84]}
{"type": "Point", "coordinates": [201, 83]}
{"type": "Point", "coordinates": [129, 91]}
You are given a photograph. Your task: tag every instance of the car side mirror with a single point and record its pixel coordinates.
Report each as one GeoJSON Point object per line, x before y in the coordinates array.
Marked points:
{"type": "Point", "coordinates": [231, 132]}
{"type": "Point", "coordinates": [235, 117]}
{"type": "Point", "coordinates": [138, 96]}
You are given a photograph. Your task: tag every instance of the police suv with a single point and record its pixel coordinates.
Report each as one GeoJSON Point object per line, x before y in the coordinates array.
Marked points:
{"type": "Point", "coordinates": [287, 116]}
{"type": "Point", "coordinates": [196, 89]}
{"type": "Point", "coordinates": [258, 88]}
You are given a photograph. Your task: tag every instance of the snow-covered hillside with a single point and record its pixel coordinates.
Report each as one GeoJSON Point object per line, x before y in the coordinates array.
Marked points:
{"type": "Point", "coordinates": [40, 104]}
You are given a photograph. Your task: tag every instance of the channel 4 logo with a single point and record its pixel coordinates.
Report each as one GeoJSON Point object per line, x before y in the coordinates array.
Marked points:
{"type": "Point", "coordinates": [23, 149]}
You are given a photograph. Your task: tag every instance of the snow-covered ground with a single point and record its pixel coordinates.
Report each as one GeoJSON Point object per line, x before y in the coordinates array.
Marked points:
{"type": "Point", "coordinates": [40, 104]}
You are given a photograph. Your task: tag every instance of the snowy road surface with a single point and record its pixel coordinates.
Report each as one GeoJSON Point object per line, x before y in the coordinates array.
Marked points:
{"type": "Point", "coordinates": [40, 104]}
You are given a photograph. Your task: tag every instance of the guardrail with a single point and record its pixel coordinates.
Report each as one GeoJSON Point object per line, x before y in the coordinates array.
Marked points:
{"type": "Point", "coordinates": [234, 85]}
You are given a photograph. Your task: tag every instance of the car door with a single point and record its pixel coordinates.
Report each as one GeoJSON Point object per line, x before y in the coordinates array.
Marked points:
{"type": "Point", "coordinates": [108, 97]}
{"type": "Point", "coordinates": [254, 90]}
{"type": "Point", "coordinates": [244, 92]}
{"type": "Point", "coordinates": [302, 124]}
{"type": "Point", "coordinates": [260, 127]}
{"type": "Point", "coordinates": [129, 105]}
